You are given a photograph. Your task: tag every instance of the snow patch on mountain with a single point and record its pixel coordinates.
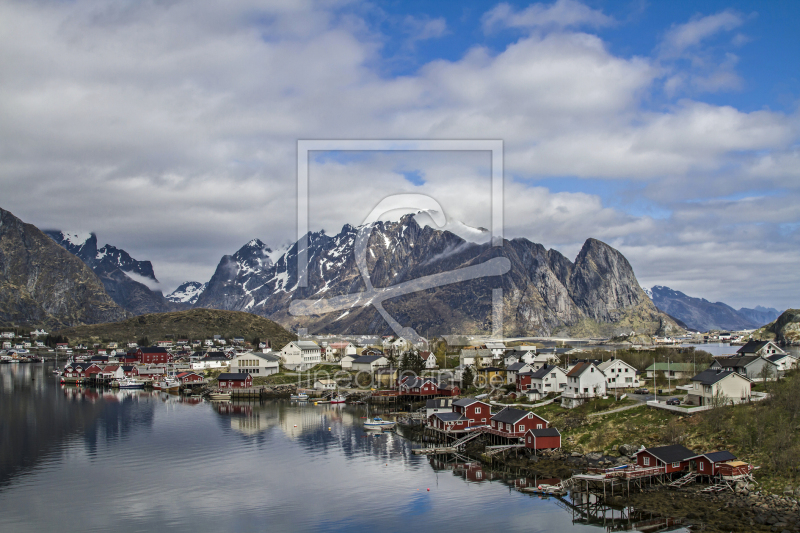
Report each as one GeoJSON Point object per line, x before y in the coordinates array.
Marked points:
{"type": "Point", "coordinates": [187, 292]}
{"type": "Point", "coordinates": [648, 292]}
{"type": "Point", "coordinates": [76, 238]}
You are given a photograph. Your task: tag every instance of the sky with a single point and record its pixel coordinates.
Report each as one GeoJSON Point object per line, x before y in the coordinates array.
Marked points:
{"type": "Point", "coordinates": [668, 130]}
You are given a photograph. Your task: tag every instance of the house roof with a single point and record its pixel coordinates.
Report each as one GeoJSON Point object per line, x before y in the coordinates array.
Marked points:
{"type": "Point", "coordinates": [152, 349]}
{"type": "Point", "coordinates": [491, 369]}
{"type": "Point", "coordinates": [231, 376]}
{"type": "Point", "coordinates": [545, 432]}
{"type": "Point", "coordinates": [438, 403]}
{"type": "Point", "coordinates": [736, 362]}
{"type": "Point", "coordinates": [510, 415]}
{"type": "Point", "coordinates": [466, 402]}
{"type": "Point", "coordinates": [473, 352]}
{"type": "Point", "coordinates": [215, 356]}
{"type": "Point", "coordinates": [779, 356]}
{"type": "Point", "coordinates": [712, 375]}
{"type": "Point", "coordinates": [184, 374]}
{"type": "Point", "coordinates": [265, 356]}
{"type": "Point", "coordinates": [546, 369]}
{"type": "Point", "coordinates": [752, 347]}
{"type": "Point", "coordinates": [495, 346]}
{"type": "Point", "coordinates": [674, 367]}
{"type": "Point", "coordinates": [718, 457]}
{"type": "Point", "coordinates": [674, 453]}
{"type": "Point", "coordinates": [366, 359]}
{"type": "Point", "coordinates": [450, 417]}
{"type": "Point", "coordinates": [515, 367]}
{"type": "Point", "coordinates": [307, 345]}
{"type": "Point", "coordinates": [579, 369]}
{"type": "Point", "coordinates": [425, 355]}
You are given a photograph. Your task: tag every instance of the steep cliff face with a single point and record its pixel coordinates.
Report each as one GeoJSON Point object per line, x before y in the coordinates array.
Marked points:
{"type": "Point", "coordinates": [543, 292]}
{"type": "Point", "coordinates": [42, 283]}
{"type": "Point", "coordinates": [117, 270]}
{"type": "Point", "coordinates": [785, 329]}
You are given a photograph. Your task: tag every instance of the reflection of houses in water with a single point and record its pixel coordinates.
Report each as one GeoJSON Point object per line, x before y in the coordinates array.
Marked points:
{"type": "Point", "coordinates": [588, 508]}
{"type": "Point", "coordinates": [459, 465]}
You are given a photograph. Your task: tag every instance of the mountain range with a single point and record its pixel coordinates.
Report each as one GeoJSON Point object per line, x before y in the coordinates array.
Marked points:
{"type": "Point", "coordinates": [543, 292]}
{"type": "Point", "coordinates": [701, 315]}
{"type": "Point", "coordinates": [125, 279]}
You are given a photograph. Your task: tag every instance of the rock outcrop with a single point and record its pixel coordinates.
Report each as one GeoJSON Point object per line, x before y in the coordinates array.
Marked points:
{"type": "Point", "coordinates": [42, 283]}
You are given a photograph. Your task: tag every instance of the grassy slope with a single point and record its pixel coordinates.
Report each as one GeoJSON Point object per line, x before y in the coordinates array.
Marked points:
{"type": "Point", "coordinates": [193, 324]}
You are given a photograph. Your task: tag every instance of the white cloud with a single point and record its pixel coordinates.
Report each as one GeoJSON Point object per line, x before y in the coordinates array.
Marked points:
{"type": "Point", "coordinates": [172, 130]}
{"type": "Point", "coordinates": [561, 14]}
{"type": "Point", "coordinates": [683, 36]}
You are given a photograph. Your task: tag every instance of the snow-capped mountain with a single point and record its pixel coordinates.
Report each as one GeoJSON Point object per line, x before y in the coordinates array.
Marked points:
{"type": "Point", "coordinates": [187, 293]}
{"type": "Point", "coordinates": [543, 292]}
{"type": "Point", "coordinates": [131, 283]}
{"type": "Point", "coordinates": [648, 292]}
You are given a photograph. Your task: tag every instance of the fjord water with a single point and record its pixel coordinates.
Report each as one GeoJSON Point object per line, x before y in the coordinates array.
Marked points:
{"type": "Point", "coordinates": [76, 459]}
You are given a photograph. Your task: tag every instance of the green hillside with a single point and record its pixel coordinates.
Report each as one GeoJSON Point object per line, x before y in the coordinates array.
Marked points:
{"type": "Point", "coordinates": [193, 324]}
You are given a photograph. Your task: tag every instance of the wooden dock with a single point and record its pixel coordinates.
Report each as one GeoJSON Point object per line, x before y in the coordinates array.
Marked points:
{"type": "Point", "coordinates": [433, 451]}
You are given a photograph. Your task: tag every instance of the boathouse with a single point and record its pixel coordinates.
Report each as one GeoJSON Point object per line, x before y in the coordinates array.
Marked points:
{"type": "Point", "coordinates": [543, 439]}
{"type": "Point", "coordinates": [449, 421]}
{"type": "Point", "coordinates": [511, 422]}
{"type": "Point", "coordinates": [189, 377]}
{"type": "Point", "coordinates": [152, 355]}
{"type": "Point", "coordinates": [229, 380]}
{"type": "Point", "coordinates": [673, 458]}
{"type": "Point", "coordinates": [707, 464]}
{"type": "Point", "coordinates": [476, 411]}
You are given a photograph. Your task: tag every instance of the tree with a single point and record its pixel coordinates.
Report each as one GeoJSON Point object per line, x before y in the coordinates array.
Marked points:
{"type": "Point", "coordinates": [412, 362]}
{"type": "Point", "coordinates": [144, 341]}
{"type": "Point", "coordinates": [466, 378]}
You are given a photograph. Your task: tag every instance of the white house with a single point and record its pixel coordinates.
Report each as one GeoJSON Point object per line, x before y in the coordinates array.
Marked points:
{"type": "Point", "coordinates": [325, 384]}
{"type": "Point", "coordinates": [211, 360]}
{"type": "Point", "coordinates": [584, 381]}
{"type": "Point", "coordinates": [256, 364]}
{"type": "Point", "coordinates": [369, 363]}
{"type": "Point", "coordinates": [547, 379]}
{"type": "Point", "coordinates": [347, 361]}
{"type": "Point", "coordinates": [516, 368]}
{"type": "Point", "coordinates": [727, 386]}
{"type": "Point", "coordinates": [301, 355]}
{"type": "Point", "coordinates": [340, 349]}
{"type": "Point", "coordinates": [784, 361]}
{"type": "Point", "coordinates": [619, 374]}
{"type": "Point", "coordinates": [469, 356]}
{"type": "Point", "coordinates": [430, 360]}
{"type": "Point", "coordinates": [497, 348]}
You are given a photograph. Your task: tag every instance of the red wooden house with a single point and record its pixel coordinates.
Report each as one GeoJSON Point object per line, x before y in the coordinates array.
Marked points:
{"type": "Point", "coordinates": [189, 377]}
{"type": "Point", "coordinates": [673, 458]}
{"type": "Point", "coordinates": [477, 412]}
{"type": "Point", "coordinates": [707, 464]}
{"type": "Point", "coordinates": [418, 386]}
{"type": "Point", "coordinates": [152, 355]}
{"type": "Point", "coordinates": [229, 380]}
{"type": "Point", "coordinates": [449, 421]}
{"type": "Point", "coordinates": [511, 422]}
{"type": "Point", "coordinates": [543, 439]}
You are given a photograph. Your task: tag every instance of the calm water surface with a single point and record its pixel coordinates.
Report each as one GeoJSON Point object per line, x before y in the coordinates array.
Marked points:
{"type": "Point", "coordinates": [91, 460]}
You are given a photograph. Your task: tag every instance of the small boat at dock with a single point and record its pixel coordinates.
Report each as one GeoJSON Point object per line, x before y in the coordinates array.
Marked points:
{"type": "Point", "coordinates": [128, 383]}
{"type": "Point", "coordinates": [339, 398]}
{"type": "Point", "coordinates": [302, 397]}
{"type": "Point", "coordinates": [378, 423]}
{"type": "Point", "coordinates": [219, 395]}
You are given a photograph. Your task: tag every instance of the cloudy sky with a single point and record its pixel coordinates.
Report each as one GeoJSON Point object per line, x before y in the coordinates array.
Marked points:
{"type": "Point", "coordinates": [666, 129]}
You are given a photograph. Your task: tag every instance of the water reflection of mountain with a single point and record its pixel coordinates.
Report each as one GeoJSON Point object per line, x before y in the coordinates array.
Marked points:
{"type": "Point", "coordinates": [317, 429]}
{"type": "Point", "coordinates": [38, 417]}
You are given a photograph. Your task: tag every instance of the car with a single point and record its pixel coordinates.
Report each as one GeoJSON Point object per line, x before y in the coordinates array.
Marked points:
{"type": "Point", "coordinates": [674, 401]}
{"type": "Point", "coordinates": [641, 391]}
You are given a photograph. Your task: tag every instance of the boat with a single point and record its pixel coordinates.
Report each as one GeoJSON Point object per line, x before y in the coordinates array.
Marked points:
{"type": "Point", "coordinates": [379, 423]}
{"type": "Point", "coordinates": [302, 397]}
{"type": "Point", "coordinates": [339, 399]}
{"type": "Point", "coordinates": [129, 383]}
{"type": "Point", "coordinates": [219, 395]}
{"type": "Point", "coordinates": [167, 385]}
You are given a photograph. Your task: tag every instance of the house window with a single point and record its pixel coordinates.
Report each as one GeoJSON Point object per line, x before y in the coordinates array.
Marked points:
{"type": "Point", "coordinates": [521, 427]}
{"type": "Point", "coordinates": [676, 465]}
{"type": "Point", "coordinates": [586, 389]}
{"type": "Point", "coordinates": [646, 461]}
{"type": "Point", "coordinates": [538, 426]}
{"type": "Point", "coordinates": [477, 410]}
{"type": "Point", "coordinates": [702, 466]}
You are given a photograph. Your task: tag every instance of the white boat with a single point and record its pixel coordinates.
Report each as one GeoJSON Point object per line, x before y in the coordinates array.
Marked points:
{"type": "Point", "coordinates": [378, 423]}
{"type": "Point", "coordinates": [339, 399]}
{"type": "Point", "coordinates": [130, 383]}
{"type": "Point", "coordinates": [219, 395]}
{"type": "Point", "coordinates": [303, 397]}
{"type": "Point", "coordinates": [167, 385]}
